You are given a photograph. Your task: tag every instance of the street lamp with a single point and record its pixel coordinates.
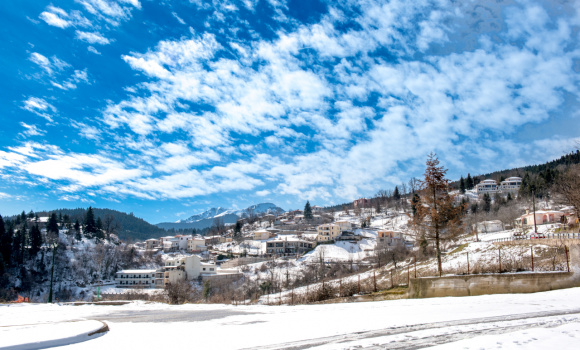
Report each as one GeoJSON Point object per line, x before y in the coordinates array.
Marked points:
{"type": "Point", "coordinates": [53, 246]}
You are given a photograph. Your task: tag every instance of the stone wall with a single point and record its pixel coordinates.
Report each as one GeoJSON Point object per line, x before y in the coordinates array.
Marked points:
{"type": "Point", "coordinates": [498, 283]}
{"type": "Point", "coordinates": [491, 284]}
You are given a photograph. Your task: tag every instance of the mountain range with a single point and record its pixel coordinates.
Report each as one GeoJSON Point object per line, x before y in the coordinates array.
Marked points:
{"type": "Point", "coordinates": [227, 216]}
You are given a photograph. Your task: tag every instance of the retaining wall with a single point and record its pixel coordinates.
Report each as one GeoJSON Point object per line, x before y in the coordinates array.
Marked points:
{"type": "Point", "coordinates": [456, 286]}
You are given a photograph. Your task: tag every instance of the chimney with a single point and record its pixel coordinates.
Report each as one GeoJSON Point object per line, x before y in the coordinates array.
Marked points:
{"type": "Point", "coordinates": [527, 211]}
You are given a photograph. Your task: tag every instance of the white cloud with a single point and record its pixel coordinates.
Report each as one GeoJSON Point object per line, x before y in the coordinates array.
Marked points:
{"type": "Point", "coordinates": [58, 17]}
{"type": "Point", "coordinates": [263, 193]}
{"type": "Point", "coordinates": [93, 50]}
{"type": "Point", "coordinates": [54, 19]}
{"type": "Point", "coordinates": [92, 38]}
{"type": "Point", "coordinates": [31, 130]}
{"type": "Point", "coordinates": [4, 195]}
{"type": "Point", "coordinates": [39, 107]}
{"type": "Point", "coordinates": [42, 61]}
{"type": "Point", "coordinates": [179, 19]}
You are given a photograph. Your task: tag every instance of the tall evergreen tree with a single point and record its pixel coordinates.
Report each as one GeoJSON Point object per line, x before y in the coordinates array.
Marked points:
{"type": "Point", "coordinates": [52, 224]}
{"type": "Point", "coordinates": [462, 185]}
{"type": "Point", "coordinates": [77, 228]}
{"type": "Point", "coordinates": [308, 211]}
{"type": "Point", "coordinates": [90, 224]}
{"type": "Point", "coordinates": [35, 240]}
{"type": "Point", "coordinates": [17, 243]}
{"type": "Point", "coordinates": [486, 202]}
{"type": "Point", "coordinates": [396, 194]}
{"type": "Point", "coordinates": [469, 182]}
{"type": "Point", "coordinates": [5, 243]}
{"type": "Point", "coordinates": [99, 234]}
{"type": "Point", "coordinates": [439, 216]}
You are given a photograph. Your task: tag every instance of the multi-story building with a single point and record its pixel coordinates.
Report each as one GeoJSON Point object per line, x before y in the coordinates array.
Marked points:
{"type": "Point", "coordinates": [261, 235]}
{"type": "Point", "coordinates": [183, 269]}
{"type": "Point", "coordinates": [487, 186]}
{"type": "Point", "coordinates": [389, 238]}
{"type": "Point", "coordinates": [152, 243]}
{"type": "Point", "coordinates": [511, 185]}
{"type": "Point", "coordinates": [135, 279]}
{"type": "Point", "coordinates": [196, 245]}
{"type": "Point", "coordinates": [285, 247]}
{"type": "Point", "coordinates": [182, 241]}
{"type": "Point", "coordinates": [362, 203]}
{"type": "Point", "coordinates": [328, 232]}
{"type": "Point", "coordinates": [344, 225]}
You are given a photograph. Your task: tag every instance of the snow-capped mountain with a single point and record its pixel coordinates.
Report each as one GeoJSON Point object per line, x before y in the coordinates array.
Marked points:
{"type": "Point", "coordinates": [256, 209]}
{"type": "Point", "coordinates": [227, 216]}
{"type": "Point", "coordinates": [208, 214]}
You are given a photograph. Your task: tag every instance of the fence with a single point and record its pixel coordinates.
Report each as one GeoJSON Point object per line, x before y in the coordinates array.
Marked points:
{"type": "Point", "coordinates": [546, 236]}
{"type": "Point", "coordinates": [505, 260]}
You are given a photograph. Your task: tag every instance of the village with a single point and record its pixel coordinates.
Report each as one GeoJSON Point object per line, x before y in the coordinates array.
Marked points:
{"type": "Point", "coordinates": [362, 235]}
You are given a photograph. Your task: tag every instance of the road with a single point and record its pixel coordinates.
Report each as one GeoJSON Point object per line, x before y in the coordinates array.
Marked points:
{"type": "Point", "coordinates": [160, 316]}
{"type": "Point", "coordinates": [429, 334]}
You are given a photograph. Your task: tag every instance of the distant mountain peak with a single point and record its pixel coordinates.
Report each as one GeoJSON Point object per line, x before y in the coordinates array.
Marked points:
{"type": "Point", "coordinates": [256, 209]}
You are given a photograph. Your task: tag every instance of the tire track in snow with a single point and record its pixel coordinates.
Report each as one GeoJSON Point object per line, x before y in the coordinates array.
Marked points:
{"type": "Point", "coordinates": [449, 331]}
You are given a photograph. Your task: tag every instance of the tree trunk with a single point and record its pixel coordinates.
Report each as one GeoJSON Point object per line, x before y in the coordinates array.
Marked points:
{"type": "Point", "coordinates": [436, 220]}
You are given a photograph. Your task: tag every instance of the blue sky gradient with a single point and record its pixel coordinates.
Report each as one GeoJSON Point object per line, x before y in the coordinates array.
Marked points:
{"type": "Point", "coordinates": [166, 108]}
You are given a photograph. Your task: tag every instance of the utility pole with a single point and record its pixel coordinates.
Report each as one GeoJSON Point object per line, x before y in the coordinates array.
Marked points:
{"type": "Point", "coordinates": [534, 209]}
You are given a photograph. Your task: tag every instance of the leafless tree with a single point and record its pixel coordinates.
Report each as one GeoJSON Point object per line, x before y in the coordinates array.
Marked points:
{"type": "Point", "coordinates": [567, 187]}
{"type": "Point", "coordinates": [413, 185]}
{"type": "Point", "coordinates": [110, 225]}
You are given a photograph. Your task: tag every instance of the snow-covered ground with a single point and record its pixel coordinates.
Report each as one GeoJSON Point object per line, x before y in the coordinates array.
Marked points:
{"type": "Point", "coordinates": [512, 321]}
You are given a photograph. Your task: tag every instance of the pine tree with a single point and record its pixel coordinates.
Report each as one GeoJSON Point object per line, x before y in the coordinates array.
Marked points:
{"type": "Point", "coordinates": [52, 224]}
{"type": "Point", "coordinates": [308, 211]}
{"type": "Point", "coordinates": [17, 243]}
{"type": "Point", "coordinates": [77, 228]}
{"type": "Point", "coordinates": [486, 202]}
{"type": "Point", "coordinates": [238, 228]}
{"type": "Point", "coordinates": [436, 210]}
{"type": "Point", "coordinates": [469, 182]}
{"type": "Point", "coordinates": [99, 235]}
{"type": "Point", "coordinates": [90, 225]}
{"type": "Point", "coordinates": [461, 185]}
{"type": "Point", "coordinates": [5, 243]}
{"type": "Point", "coordinates": [415, 200]}
{"type": "Point", "coordinates": [35, 241]}
{"type": "Point", "coordinates": [396, 194]}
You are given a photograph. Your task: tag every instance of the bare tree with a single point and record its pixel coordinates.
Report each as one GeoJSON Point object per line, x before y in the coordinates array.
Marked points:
{"type": "Point", "coordinates": [413, 185]}
{"type": "Point", "coordinates": [567, 187]}
{"type": "Point", "coordinates": [110, 225]}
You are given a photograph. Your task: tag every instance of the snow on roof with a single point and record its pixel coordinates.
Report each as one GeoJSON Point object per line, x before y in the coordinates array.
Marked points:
{"type": "Point", "coordinates": [136, 271]}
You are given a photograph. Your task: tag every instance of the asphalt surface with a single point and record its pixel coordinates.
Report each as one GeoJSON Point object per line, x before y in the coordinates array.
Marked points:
{"type": "Point", "coordinates": [167, 315]}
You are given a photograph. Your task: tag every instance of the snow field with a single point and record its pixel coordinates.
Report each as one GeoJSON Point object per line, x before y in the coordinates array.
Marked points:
{"type": "Point", "coordinates": [260, 326]}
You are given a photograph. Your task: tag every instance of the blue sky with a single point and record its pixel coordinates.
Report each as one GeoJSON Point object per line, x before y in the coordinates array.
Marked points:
{"type": "Point", "coordinates": [166, 108]}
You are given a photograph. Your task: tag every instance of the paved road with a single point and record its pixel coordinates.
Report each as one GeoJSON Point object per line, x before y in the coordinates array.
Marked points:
{"type": "Point", "coordinates": [430, 334]}
{"type": "Point", "coordinates": [167, 315]}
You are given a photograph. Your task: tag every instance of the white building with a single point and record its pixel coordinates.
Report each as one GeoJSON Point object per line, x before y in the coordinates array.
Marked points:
{"type": "Point", "coordinates": [183, 269]}
{"type": "Point", "coordinates": [489, 226]}
{"type": "Point", "coordinates": [135, 279]}
{"type": "Point", "coordinates": [182, 241]}
{"type": "Point", "coordinates": [487, 186]}
{"type": "Point", "coordinates": [152, 243]}
{"type": "Point", "coordinates": [511, 184]}
{"type": "Point", "coordinates": [196, 244]}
